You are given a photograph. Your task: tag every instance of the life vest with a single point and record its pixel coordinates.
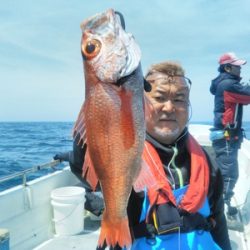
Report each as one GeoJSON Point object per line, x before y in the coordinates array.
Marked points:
{"type": "Point", "coordinates": [199, 179]}
{"type": "Point", "coordinates": [191, 198]}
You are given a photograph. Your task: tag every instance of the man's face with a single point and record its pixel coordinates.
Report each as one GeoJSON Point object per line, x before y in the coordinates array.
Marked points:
{"type": "Point", "coordinates": [235, 70]}
{"type": "Point", "coordinates": [169, 111]}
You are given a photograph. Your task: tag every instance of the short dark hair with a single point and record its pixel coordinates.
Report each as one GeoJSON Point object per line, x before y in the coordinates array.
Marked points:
{"type": "Point", "coordinates": [169, 68]}
{"type": "Point", "coordinates": [222, 67]}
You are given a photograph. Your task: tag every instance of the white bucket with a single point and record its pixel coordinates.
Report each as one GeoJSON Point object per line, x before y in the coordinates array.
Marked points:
{"type": "Point", "coordinates": [68, 208]}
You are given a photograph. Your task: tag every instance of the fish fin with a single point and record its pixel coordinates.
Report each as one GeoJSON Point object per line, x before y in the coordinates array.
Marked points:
{"type": "Point", "coordinates": [79, 127]}
{"type": "Point", "coordinates": [115, 232]}
{"type": "Point", "coordinates": [88, 171]}
{"type": "Point", "coordinates": [145, 178]}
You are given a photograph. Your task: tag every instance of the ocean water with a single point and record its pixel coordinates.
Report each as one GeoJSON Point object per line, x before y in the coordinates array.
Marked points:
{"type": "Point", "coordinates": [27, 144]}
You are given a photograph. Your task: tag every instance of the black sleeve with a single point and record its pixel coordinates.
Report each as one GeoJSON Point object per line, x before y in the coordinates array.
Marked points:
{"type": "Point", "coordinates": [216, 202]}
{"type": "Point", "coordinates": [234, 86]}
{"type": "Point", "coordinates": [76, 157]}
{"type": "Point", "coordinates": [240, 88]}
{"type": "Point", "coordinates": [76, 160]}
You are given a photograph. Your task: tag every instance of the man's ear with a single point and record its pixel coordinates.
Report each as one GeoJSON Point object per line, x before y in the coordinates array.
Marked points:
{"type": "Point", "coordinates": [228, 68]}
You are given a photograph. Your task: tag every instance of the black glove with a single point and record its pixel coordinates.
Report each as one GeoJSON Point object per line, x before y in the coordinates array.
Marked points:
{"type": "Point", "coordinates": [62, 156]}
{"type": "Point", "coordinates": [94, 203]}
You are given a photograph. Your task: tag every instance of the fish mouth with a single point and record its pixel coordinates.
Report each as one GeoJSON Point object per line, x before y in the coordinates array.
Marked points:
{"type": "Point", "coordinates": [111, 52]}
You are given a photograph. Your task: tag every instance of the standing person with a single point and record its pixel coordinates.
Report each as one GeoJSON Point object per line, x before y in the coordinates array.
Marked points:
{"type": "Point", "coordinates": [227, 134]}
{"type": "Point", "coordinates": [187, 211]}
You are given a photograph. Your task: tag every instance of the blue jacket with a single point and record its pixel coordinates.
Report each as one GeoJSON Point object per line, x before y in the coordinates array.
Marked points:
{"type": "Point", "coordinates": [229, 97]}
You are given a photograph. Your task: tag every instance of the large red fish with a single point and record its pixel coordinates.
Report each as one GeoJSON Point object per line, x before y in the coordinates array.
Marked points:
{"type": "Point", "coordinates": [111, 121]}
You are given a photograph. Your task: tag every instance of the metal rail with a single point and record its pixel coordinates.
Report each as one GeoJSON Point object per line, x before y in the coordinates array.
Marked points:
{"type": "Point", "coordinates": [29, 170]}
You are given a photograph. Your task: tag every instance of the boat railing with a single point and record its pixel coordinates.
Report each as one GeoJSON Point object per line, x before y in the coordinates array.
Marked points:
{"type": "Point", "coordinates": [23, 174]}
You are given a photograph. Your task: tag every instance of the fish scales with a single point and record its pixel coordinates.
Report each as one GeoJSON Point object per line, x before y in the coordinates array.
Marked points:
{"type": "Point", "coordinates": [113, 117]}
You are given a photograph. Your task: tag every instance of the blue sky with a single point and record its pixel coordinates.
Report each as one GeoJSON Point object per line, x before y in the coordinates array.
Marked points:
{"type": "Point", "coordinates": [41, 74]}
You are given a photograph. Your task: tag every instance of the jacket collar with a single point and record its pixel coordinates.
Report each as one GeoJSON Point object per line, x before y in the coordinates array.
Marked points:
{"type": "Point", "coordinates": [167, 149]}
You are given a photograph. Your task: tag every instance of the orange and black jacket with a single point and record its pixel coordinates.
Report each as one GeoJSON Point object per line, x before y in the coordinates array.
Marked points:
{"type": "Point", "coordinates": [229, 97]}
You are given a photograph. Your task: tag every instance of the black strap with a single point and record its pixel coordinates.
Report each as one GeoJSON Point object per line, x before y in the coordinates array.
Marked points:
{"type": "Point", "coordinates": [146, 84]}
{"type": "Point", "coordinates": [188, 223]}
{"type": "Point", "coordinates": [195, 221]}
{"type": "Point", "coordinates": [121, 18]}
{"type": "Point", "coordinates": [144, 230]}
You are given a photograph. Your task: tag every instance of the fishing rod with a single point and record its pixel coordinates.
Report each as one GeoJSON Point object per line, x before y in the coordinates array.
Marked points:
{"type": "Point", "coordinates": [33, 169]}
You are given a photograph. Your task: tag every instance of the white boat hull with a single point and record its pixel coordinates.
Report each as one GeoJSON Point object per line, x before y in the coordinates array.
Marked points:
{"type": "Point", "coordinates": [26, 211]}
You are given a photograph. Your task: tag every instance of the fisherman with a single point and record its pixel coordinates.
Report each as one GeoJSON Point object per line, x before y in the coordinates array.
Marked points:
{"type": "Point", "coordinates": [188, 212]}
{"type": "Point", "coordinates": [230, 94]}
{"type": "Point", "coordinates": [93, 200]}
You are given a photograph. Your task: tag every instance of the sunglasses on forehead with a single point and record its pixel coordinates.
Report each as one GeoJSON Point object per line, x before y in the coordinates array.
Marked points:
{"type": "Point", "coordinates": [150, 79]}
{"type": "Point", "coordinates": [188, 80]}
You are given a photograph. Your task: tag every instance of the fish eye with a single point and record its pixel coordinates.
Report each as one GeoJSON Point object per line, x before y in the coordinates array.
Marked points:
{"type": "Point", "coordinates": [91, 48]}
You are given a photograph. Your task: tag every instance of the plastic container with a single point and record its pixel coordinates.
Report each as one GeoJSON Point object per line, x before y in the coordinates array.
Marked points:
{"type": "Point", "coordinates": [68, 210]}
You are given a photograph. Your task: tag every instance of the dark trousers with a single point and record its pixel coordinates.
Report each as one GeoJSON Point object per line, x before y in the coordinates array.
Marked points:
{"type": "Point", "coordinates": [226, 152]}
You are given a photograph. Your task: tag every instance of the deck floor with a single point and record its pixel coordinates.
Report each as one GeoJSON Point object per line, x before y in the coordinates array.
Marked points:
{"type": "Point", "coordinates": [87, 240]}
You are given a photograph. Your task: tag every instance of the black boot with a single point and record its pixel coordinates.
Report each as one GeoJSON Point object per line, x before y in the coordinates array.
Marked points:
{"type": "Point", "coordinates": [231, 211]}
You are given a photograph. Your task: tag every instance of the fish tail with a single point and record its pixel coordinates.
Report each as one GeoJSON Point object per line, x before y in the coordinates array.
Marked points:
{"type": "Point", "coordinates": [115, 233]}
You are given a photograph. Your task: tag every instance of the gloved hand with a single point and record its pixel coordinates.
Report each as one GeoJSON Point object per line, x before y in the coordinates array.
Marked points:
{"type": "Point", "coordinates": [62, 156]}
{"type": "Point", "coordinates": [94, 203]}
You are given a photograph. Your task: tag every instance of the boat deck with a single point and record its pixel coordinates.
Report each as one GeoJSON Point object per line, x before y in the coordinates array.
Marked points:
{"type": "Point", "coordinates": [87, 240]}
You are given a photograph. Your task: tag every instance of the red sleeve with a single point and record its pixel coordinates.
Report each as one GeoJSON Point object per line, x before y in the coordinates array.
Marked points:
{"type": "Point", "coordinates": [230, 101]}
{"type": "Point", "coordinates": [236, 98]}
